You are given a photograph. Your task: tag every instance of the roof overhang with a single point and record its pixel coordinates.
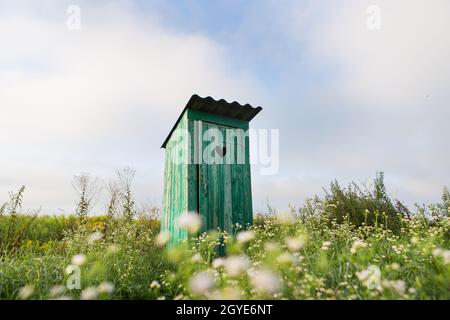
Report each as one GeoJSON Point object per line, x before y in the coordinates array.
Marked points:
{"type": "Point", "coordinates": [219, 107]}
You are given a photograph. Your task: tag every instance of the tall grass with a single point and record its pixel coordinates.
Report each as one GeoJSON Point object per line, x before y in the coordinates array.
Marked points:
{"type": "Point", "coordinates": [326, 249]}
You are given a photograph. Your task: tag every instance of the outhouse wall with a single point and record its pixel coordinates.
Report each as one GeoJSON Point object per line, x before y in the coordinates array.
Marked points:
{"type": "Point", "coordinates": [175, 196]}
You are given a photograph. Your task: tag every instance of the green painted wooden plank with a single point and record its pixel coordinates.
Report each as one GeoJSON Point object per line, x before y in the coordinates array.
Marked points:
{"type": "Point", "coordinates": [203, 197]}
{"type": "Point", "coordinates": [247, 183]}
{"type": "Point", "coordinates": [192, 171]}
{"type": "Point", "coordinates": [175, 185]}
{"type": "Point", "coordinates": [228, 202]}
{"type": "Point", "coordinates": [216, 119]}
{"type": "Point", "coordinates": [203, 189]}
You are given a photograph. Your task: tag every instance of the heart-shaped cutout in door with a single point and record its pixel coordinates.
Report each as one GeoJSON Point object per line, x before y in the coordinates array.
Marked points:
{"type": "Point", "coordinates": [221, 151]}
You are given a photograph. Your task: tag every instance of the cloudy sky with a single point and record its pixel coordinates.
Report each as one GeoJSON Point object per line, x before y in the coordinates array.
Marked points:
{"type": "Point", "coordinates": [349, 99]}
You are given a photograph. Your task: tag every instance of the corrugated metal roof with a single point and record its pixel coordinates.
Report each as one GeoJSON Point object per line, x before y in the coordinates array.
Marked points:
{"type": "Point", "coordinates": [220, 107]}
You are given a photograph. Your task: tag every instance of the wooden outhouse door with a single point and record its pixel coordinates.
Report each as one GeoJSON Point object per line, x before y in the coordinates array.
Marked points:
{"type": "Point", "coordinates": [222, 185]}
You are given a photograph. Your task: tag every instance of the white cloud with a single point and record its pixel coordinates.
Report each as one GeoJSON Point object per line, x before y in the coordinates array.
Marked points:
{"type": "Point", "coordinates": [103, 96]}
{"type": "Point", "coordinates": [361, 100]}
{"type": "Point", "coordinates": [396, 66]}
{"type": "Point", "coordinates": [348, 101]}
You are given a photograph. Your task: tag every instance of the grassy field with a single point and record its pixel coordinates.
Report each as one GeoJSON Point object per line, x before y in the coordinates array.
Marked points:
{"type": "Point", "coordinates": [353, 243]}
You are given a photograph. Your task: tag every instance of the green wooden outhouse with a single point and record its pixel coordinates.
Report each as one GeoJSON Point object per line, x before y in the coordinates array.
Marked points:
{"type": "Point", "coordinates": [207, 167]}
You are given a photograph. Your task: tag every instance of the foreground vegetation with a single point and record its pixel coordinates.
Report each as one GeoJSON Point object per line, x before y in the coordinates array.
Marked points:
{"type": "Point", "coordinates": [354, 243]}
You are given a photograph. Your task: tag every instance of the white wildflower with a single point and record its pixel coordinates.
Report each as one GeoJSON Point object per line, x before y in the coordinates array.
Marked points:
{"type": "Point", "coordinates": [245, 236]}
{"type": "Point", "coordinates": [437, 252]}
{"type": "Point", "coordinates": [196, 258]}
{"type": "Point", "coordinates": [217, 263]}
{"type": "Point", "coordinates": [363, 275]}
{"type": "Point", "coordinates": [190, 221]}
{"type": "Point", "coordinates": [105, 287]}
{"type": "Point", "coordinates": [412, 290]}
{"type": "Point", "coordinates": [155, 285]}
{"type": "Point", "coordinates": [295, 244]}
{"type": "Point", "coordinates": [235, 265]}
{"type": "Point", "coordinates": [26, 292]}
{"type": "Point", "coordinates": [394, 266]}
{"type": "Point", "coordinates": [57, 291]}
{"type": "Point", "coordinates": [399, 286]}
{"type": "Point", "coordinates": [200, 283]}
{"type": "Point", "coordinates": [78, 259]}
{"type": "Point", "coordinates": [162, 238]}
{"type": "Point", "coordinates": [357, 245]}
{"type": "Point", "coordinates": [446, 256]}
{"type": "Point", "coordinates": [265, 281]}
{"type": "Point", "coordinates": [95, 237]}
{"type": "Point", "coordinates": [326, 245]}
{"type": "Point", "coordinates": [90, 293]}
{"type": "Point", "coordinates": [371, 277]}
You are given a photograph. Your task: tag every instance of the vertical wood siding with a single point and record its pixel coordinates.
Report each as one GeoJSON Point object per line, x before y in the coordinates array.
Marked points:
{"type": "Point", "coordinates": [220, 193]}
{"type": "Point", "coordinates": [175, 201]}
